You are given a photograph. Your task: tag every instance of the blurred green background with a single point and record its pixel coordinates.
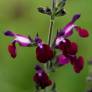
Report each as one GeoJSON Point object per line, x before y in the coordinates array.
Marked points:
{"type": "Point", "coordinates": [21, 16]}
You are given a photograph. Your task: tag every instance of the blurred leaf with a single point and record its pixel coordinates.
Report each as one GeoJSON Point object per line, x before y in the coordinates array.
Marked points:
{"type": "Point", "coordinates": [45, 10]}
{"type": "Point", "coordinates": [60, 13]}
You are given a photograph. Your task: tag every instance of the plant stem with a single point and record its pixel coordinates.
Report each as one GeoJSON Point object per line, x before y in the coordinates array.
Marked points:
{"type": "Point", "coordinates": [50, 34]}
{"type": "Point", "coordinates": [50, 31]}
{"type": "Point", "coordinates": [51, 22]}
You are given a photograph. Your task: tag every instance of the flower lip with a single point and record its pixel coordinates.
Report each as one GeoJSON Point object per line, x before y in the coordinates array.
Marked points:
{"type": "Point", "coordinates": [12, 50]}
{"type": "Point", "coordinates": [78, 64]}
{"type": "Point", "coordinates": [70, 49]}
{"type": "Point", "coordinates": [82, 32]}
{"type": "Point", "coordinates": [44, 54]}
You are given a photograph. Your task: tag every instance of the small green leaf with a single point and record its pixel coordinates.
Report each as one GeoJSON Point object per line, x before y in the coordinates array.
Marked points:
{"type": "Point", "coordinates": [61, 4]}
{"type": "Point", "coordinates": [45, 10]}
{"type": "Point", "coordinates": [60, 13]}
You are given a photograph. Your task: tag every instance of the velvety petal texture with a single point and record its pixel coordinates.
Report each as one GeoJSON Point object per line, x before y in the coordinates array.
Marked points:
{"type": "Point", "coordinates": [78, 64]}
{"type": "Point", "coordinates": [64, 45]}
{"type": "Point", "coordinates": [62, 60]}
{"type": "Point", "coordinates": [44, 54]}
{"type": "Point", "coordinates": [72, 49]}
{"type": "Point", "coordinates": [82, 32]}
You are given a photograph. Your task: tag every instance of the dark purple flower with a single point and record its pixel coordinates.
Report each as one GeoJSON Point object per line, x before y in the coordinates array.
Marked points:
{"type": "Point", "coordinates": [41, 78]}
{"type": "Point", "coordinates": [44, 52]}
{"type": "Point", "coordinates": [20, 39]}
{"type": "Point", "coordinates": [69, 56]}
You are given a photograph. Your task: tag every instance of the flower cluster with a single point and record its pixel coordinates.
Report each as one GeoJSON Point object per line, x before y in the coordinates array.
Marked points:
{"type": "Point", "coordinates": [45, 53]}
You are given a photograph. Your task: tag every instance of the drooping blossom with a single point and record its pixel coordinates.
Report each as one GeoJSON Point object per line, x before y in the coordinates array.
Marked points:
{"type": "Point", "coordinates": [44, 52]}
{"type": "Point", "coordinates": [41, 78]}
{"type": "Point", "coordinates": [20, 39]}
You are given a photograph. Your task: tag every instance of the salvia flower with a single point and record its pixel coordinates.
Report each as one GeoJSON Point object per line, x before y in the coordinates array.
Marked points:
{"type": "Point", "coordinates": [20, 39]}
{"type": "Point", "coordinates": [44, 52]}
{"type": "Point", "coordinates": [41, 78]}
{"type": "Point", "coordinates": [69, 56]}
{"type": "Point", "coordinates": [68, 30]}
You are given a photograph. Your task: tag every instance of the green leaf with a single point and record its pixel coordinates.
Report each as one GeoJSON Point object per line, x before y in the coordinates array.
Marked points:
{"type": "Point", "coordinates": [45, 10]}
{"type": "Point", "coordinates": [60, 13]}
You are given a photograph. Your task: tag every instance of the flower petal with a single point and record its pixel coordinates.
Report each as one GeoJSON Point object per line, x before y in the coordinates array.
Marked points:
{"type": "Point", "coordinates": [59, 40]}
{"type": "Point", "coordinates": [12, 50]}
{"type": "Point", "coordinates": [41, 78]}
{"type": "Point", "coordinates": [78, 64]}
{"type": "Point", "coordinates": [68, 29]}
{"type": "Point", "coordinates": [75, 17]}
{"type": "Point", "coordinates": [63, 45]}
{"type": "Point", "coordinates": [82, 32]}
{"type": "Point", "coordinates": [62, 60]}
{"type": "Point", "coordinates": [9, 33]}
{"type": "Point", "coordinates": [44, 54]}
{"type": "Point", "coordinates": [72, 49]}
{"type": "Point", "coordinates": [22, 40]}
